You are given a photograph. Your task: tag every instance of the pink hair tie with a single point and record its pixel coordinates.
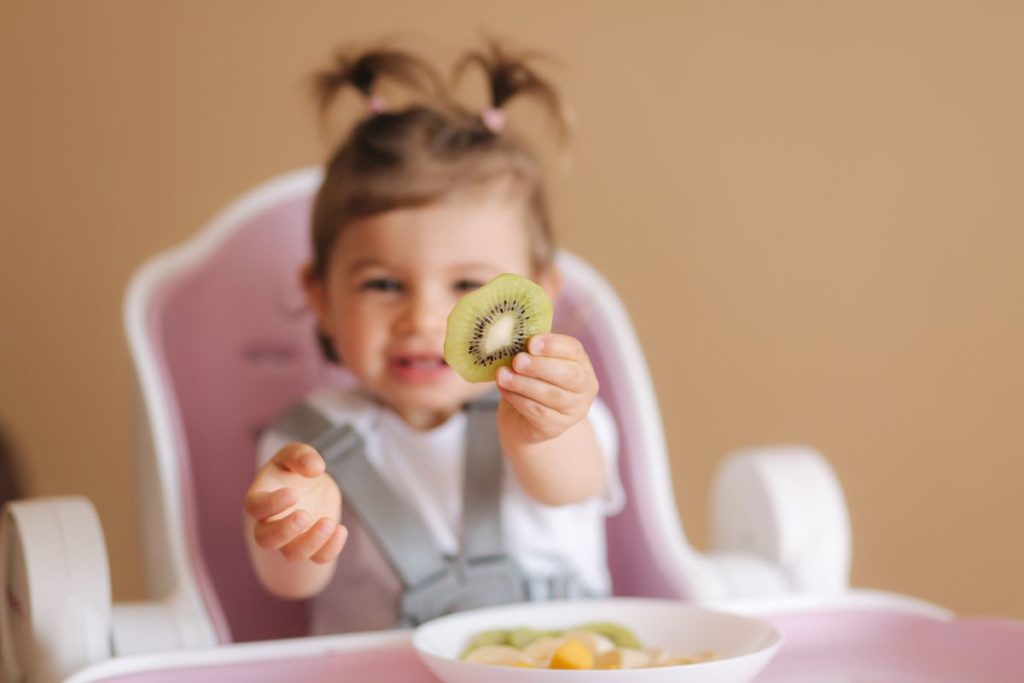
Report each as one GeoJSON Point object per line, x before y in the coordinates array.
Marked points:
{"type": "Point", "coordinates": [376, 104]}
{"type": "Point", "coordinates": [494, 119]}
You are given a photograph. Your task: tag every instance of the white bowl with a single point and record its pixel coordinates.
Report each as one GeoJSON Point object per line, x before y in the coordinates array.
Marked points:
{"type": "Point", "coordinates": [744, 645]}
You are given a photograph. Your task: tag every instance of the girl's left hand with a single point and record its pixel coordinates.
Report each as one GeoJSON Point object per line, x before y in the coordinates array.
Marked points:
{"type": "Point", "coordinates": [548, 389]}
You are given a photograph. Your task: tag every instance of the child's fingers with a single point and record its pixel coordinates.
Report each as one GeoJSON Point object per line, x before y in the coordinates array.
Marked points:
{"type": "Point", "coordinates": [541, 422]}
{"type": "Point", "coordinates": [556, 346]}
{"type": "Point", "coordinates": [301, 459]}
{"type": "Point", "coordinates": [262, 505]}
{"type": "Point", "coordinates": [276, 533]}
{"type": "Point", "coordinates": [568, 374]}
{"type": "Point", "coordinates": [329, 550]}
{"type": "Point", "coordinates": [539, 392]}
{"type": "Point", "coordinates": [310, 541]}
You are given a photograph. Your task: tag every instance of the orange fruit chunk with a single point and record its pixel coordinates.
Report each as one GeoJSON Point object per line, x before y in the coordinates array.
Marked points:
{"type": "Point", "coordinates": [572, 655]}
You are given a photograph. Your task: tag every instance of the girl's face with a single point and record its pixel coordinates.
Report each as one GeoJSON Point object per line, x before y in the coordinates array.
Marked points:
{"type": "Point", "coordinates": [391, 281]}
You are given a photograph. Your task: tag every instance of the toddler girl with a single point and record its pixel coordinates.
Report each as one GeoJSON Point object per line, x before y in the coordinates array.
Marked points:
{"type": "Point", "coordinates": [418, 493]}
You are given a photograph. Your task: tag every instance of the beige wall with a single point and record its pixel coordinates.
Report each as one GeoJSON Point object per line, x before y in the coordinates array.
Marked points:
{"type": "Point", "coordinates": [812, 210]}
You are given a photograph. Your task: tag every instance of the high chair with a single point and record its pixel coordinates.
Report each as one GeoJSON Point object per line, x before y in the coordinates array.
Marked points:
{"type": "Point", "coordinates": [222, 343]}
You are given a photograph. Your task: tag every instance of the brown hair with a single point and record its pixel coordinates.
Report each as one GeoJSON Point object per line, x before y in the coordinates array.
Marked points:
{"type": "Point", "coordinates": [417, 155]}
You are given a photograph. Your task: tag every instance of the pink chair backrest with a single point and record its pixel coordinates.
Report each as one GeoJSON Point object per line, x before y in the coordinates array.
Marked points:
{"type": "Point", "coordinates": [238, 347]}
{"type": "Point", "coordinates": [636, 557]}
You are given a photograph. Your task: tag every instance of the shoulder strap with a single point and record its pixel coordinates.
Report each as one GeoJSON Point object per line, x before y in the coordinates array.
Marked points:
{"type": "Point", "coordinates": [404, 539]}
{"type": "Point", "coordinates": [481, 484]}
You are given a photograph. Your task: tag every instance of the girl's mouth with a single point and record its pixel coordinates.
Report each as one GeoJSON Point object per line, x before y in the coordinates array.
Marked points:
{"type": "Point", "coordinates": [419, 369]}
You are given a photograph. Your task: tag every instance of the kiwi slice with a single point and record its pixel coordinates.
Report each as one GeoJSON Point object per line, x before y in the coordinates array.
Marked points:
{"type": "Point", "coordinates": [495, 637]}
{"type": "Point", "coordinates": [489, 326]}
{"type": "Point", "coordinates": [521, 637]}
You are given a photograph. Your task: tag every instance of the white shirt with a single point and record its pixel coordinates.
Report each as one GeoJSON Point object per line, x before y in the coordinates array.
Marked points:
{"type": "Point", "coordinates": [424, 469]}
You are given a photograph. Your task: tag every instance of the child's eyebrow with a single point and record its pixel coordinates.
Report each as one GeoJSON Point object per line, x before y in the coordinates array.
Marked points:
{"type": "Point", "coordinates": [476, 265]}
{"type": "Point", "coordinates": [366, 263]}
{"type": "Point", "coordinates": [472, 266]}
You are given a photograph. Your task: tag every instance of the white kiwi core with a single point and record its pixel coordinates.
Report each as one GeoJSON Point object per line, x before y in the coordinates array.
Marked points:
{"type": "Point", "coordinates": [499, 334]}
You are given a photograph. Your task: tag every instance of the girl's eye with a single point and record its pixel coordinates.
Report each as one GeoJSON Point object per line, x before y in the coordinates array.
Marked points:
{"type": "Point", "coordinates": [382, 284]}
{"type": "Point", "coordinates": [468, 285]}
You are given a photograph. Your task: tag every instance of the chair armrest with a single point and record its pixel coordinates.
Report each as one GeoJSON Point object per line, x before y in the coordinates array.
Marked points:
{"type": "Point", "coordinates": [56, 615]}
{"type": "Point", "coordinates": [55, 611]}
{"type": "Point", "coordinates": [784, 505]}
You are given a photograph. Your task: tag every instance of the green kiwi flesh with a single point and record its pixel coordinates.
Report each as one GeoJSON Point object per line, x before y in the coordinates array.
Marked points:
{"type": "Point", "coordinates": [490, 325]}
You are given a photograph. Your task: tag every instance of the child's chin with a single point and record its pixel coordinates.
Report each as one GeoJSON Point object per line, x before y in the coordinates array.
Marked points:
{"type": "Point", "coordinates": [449, 392]}
{"type": "Point", "coordinates": [418, 377]}
{"type": "Point", "coordinates": [438, 390]}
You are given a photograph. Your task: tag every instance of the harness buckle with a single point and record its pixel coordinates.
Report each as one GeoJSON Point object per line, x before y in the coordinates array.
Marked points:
{"type": "Point", "coordinates": [464, 583]}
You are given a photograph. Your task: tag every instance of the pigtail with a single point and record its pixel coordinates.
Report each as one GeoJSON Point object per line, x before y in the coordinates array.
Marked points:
{"type": "Point", "coordinates": [363, 72]}
{"type": "Point", "coordinates": [508, 76]}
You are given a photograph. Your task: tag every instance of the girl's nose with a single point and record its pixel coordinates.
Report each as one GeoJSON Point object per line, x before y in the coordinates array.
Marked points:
{"type": "Point", "coordinates": [424, 314]}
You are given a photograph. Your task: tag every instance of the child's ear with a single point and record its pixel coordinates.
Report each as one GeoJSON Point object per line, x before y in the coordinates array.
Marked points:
{"type": "Point", "coordinates": [316, 297]}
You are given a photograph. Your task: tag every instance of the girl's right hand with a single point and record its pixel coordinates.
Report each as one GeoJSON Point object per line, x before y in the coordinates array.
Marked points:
{"type": "Point", "coordinates": [296, 506]}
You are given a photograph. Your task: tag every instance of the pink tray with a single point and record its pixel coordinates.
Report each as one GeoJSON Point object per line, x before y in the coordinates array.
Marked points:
{"type": "Point", "coordinates": [889, 647]}
{"type": "Point", "coordinates": [848, 646]}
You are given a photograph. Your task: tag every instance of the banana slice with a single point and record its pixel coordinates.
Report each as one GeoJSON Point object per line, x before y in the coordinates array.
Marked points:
{"type": "Point", "coordinates": [623, 658]}
{"type": "Point", "coordinates": [498, 655]}
{"type": "Point", "coordinates": [542, 649]}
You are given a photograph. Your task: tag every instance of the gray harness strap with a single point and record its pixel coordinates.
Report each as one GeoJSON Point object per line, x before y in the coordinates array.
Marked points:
{"type": "Point", "coordinates": [481, 483]}
{"type": "Point", "coordinates": [433, 583]}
